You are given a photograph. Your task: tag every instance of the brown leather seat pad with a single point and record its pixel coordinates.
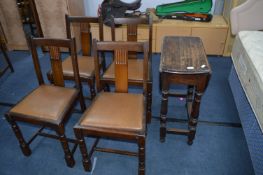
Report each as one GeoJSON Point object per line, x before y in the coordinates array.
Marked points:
{"type": "Point", "coordinates": [135, 70]}
{"type": "Point", "coordinates": [47, 102]}
{"type": "Point", "coordinates": [85, 63]}
{"type": "Point", "coordinates": [120, 111]}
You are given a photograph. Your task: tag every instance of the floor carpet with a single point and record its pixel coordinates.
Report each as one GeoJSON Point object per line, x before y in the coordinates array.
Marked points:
{"type": "Point", "coordinates": [217, 149]}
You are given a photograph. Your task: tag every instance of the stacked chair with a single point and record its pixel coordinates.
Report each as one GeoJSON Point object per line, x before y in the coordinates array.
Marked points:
{"type": "Point", "coordinates": [135, 75]}
{"type": "Point", "coordinates": [49, 106]}
{"type": "Point", "coordinates": [117, 115]}
{"type": "Point", "coordinates": [85, 60]}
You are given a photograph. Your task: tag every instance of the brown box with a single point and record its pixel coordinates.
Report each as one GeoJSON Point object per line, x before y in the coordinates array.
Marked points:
{"type": "Point", "coordinates": [213, 34]}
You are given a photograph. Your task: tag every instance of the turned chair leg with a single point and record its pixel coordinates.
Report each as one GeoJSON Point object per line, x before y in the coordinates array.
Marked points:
{"type": "Point", "coordinates": [193, 118]}
{"type": "Point", "coordinates": [63, 140]}
{"type": "Point", "coordinates": [82, 102]}
{"type": "Point", "coordinates": [149, 103]}
{"type": "Point", "coordinates": [106, 87]}
{"type": "Point", "coordinates": [91, 84]}
{"type": "Point", "coordinates": [23, 144]}
{"type": "Point", "coordinates": [163, 119]}
{"type": "Point", "coordinates": [141, 145]}
{"type": "Point", "coordinates": [83, 149]}
{"type": "Point", "coordinates": [190, 90]}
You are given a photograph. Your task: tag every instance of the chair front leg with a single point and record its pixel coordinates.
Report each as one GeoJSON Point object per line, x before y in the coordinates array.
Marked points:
{"type": "Point", "coordinates": [141, 146]}
{"type": "Point", "coordinates": [83, 149]}
{"type": "Point", "coordinates": [82, 101]}
{"type": "Point", "coordinates": [23, 144]}
{"type": "Point", "coordinates": [63, 140]}
{"type": "Point", "coordinates": [149, 102]}
{"type": "Point", "coordinates": [50, 77]}
{"type": "Point", "coordinates": [91, 83]}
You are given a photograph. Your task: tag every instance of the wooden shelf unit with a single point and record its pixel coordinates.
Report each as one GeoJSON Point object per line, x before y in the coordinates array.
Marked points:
{"type": "Point", "coordinates": [213, 34]}
{"type": "Point", "coordinates": [121, 33]}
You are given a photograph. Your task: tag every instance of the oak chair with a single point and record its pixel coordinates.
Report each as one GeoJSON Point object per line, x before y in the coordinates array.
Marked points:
{"type": "Point", "coordinates": [116, 115]}
{"type": "Point", "coordinates": [49, 105]}
{"type": "Point", "coordinates": [85, 60]}
{"type": "Point", "coordinates": [136, 65]}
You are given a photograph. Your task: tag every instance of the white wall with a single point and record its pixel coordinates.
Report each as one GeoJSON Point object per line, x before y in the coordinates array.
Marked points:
{"type": "Point", "coordinates": [91, 6]}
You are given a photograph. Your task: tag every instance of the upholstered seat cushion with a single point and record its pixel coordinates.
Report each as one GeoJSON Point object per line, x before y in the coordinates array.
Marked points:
{"type": "Point", "coordinates": [121, 111]}
{"type": "Point", "coordinates": [135, 70]}
{"type": "Point", "coordinates": [85, 63]}
{"type": "Point", "coordinates": [47, 102]}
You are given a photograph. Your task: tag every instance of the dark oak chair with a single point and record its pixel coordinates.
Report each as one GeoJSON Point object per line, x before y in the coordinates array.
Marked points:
{"type": "Point", "coordinates": [116, 115]}
{"type": "Point", "coordinates": [135, 65]}
{"type": "Point", "coordinates": [49, 105]}
{"type": "Point", "coordinates": [85, 60]}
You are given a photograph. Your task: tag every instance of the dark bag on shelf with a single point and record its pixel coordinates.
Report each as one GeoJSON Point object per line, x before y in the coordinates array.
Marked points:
{"type": "Point", "coordinates": [117, 9]}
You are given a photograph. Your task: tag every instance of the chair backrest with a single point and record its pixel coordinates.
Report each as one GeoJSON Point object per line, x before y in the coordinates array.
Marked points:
{"type": "Point", "coordinates": [132, 28]}
{"type": "Point", "coordinates": [54, 46]}
{"type": "Point", "coordinates": [120, 50]}
{"type": "Point", "coordinates": [85, 33]}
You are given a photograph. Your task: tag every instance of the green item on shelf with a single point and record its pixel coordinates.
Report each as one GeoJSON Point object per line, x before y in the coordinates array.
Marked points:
{"type": "Point", "coordinates": [187, 6]}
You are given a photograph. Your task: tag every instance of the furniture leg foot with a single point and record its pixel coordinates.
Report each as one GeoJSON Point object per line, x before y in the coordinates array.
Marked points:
{"type": "Point", "coordinates": [26, 150]}
{"type": "Point", "coordinates": [83, 149]}
{"type": "Point", "coordinates": [23, 145]}
{"type": "Point", "coordinates": [70, 161]}
{"type": "Point", "coordinates": [190, 142]}
{"type": "Point", "coordinates": [141, 145]}
{"type": "Point", "coordinates": [162, 134]}
{"type": "Point", "coordinates": [68, 155]}
{"type": "Point", "coordinates": [149, 103]}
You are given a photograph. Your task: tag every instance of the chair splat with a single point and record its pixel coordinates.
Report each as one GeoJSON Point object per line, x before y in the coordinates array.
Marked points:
{"type": "Point", "coordinates": [56, 65]}
{"type": "Point", "coordinates": [121, 70]}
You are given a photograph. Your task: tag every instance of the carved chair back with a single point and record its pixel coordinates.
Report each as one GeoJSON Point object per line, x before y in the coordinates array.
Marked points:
{"type": "Point", "coordinates": [120, 50]}
{"type": "Point", "coordinates": [132, 29]}
{"type": "Point", "coordinates": [54, 46]}
{"type": "Point", "coordinates": [85, 32]}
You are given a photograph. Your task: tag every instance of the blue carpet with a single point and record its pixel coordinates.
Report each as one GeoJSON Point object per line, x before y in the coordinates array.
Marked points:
{"type": "Point", "coordinates": [216, 150]}
{"type": "Point", "coordinates": [217, 103]}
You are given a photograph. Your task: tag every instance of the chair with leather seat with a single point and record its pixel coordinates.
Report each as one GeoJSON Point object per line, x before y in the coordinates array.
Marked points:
{"type": "Point", "coordinates": [116, 115]}
{"type": "Point", "coordinates": [49, 105]}
{"type": "Point", "coordinates": [85, 60]}
{"type": "Point", "coordinates": [136, 65]}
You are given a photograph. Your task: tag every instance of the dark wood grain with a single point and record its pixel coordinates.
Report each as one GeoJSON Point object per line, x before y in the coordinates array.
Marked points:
{"type": "Point", "coordinates": [184, 55]}
{"type": "Point", "coordinates": [56, 65]}
{"type": "Point", "coordinates": [82, 23]}
{"type": "Point", "coordinates": [132, 35]}
{"type": "Point", "coordinates": [58, 121]}
{"type": "Point", "coordinates": [183, 61]}
{"type": "Point", "coordinates": [121, 70]}
{"type": "Point", "coordinates": [120, 50]}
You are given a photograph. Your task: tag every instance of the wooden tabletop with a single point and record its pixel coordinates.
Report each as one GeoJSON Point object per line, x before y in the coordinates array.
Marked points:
{"type": "Point", "coordinates": [183, 55]}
